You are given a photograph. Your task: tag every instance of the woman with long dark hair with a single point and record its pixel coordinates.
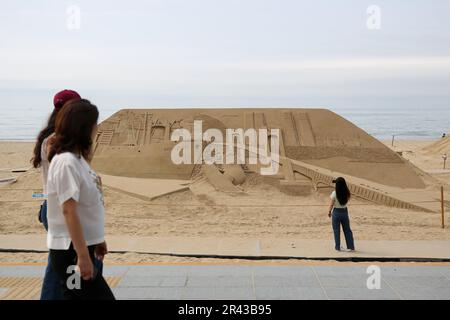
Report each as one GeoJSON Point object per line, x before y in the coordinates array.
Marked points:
{"type": "Point", "coordinates": [59, 100]}
{"type": "Point", "coordinates": [50, 285]}
{"type": "Point", "coordinates": [75, 204]}
{"type": "Point", "coordinates": [339, 213]}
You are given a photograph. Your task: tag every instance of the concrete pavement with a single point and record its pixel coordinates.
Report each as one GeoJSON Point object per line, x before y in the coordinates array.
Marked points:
{"type": "Point", "coordinates": [252, 247]}
{"type": "Point", "coordinates": [299, 282]}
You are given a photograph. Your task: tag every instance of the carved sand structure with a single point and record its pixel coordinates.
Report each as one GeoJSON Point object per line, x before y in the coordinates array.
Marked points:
{"type": "Point", "coordinates": [133, 149]}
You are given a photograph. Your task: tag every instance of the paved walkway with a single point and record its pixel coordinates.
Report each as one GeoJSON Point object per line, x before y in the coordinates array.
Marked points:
{"type": "Point", "coordinates": [251, 247]}
{"type": "Point", "coordinates": [250, 282]}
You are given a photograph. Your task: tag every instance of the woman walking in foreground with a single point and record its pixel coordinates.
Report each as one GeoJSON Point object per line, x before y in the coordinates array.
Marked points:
{"type": "Point", "coordinates": [50, 285]}
{"type": "Point", "coordinates": [338, 212]}
{"type": "Point", "coordinates": [75, 204]}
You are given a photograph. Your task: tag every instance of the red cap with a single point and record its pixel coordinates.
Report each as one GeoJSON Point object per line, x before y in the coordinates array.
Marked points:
{"type": "Point", "coordinates": [63, 96]}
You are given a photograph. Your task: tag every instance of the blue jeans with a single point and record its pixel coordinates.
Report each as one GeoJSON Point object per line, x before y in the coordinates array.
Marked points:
{"type": "Point", "coordinates": [51, 287]}
{"type": "Point", "coordinates": [340, 217]}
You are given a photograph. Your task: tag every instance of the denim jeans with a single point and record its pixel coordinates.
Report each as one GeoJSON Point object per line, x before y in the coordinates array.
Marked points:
{"type": "Point", "coordinates": [340, 217]}
{"type": "Point", "coordinates": [51, 287]}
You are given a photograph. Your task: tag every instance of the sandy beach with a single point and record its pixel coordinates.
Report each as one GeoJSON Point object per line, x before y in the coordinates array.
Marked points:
{"type": "Point", "coordinates": [183, 214]}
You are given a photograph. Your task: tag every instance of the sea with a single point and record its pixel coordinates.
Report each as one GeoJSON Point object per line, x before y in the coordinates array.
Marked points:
{"type": "Point", "coordinates": [24, 123]}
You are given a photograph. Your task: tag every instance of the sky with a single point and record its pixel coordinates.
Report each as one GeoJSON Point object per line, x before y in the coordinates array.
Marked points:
{"type": "Point", "coordinates": [226, 53]}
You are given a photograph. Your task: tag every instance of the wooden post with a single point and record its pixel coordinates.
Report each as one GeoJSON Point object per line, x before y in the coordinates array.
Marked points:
{"type": "Point", "coordinates": [442, 207]}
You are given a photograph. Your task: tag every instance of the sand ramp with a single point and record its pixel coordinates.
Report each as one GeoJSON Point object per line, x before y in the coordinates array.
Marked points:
{"type": "Point", "coordinates": [439, 147]}
{"type": "Point", "coordinates": [414, 199]}
{"type": "Point", "coordinates": [146, 189]}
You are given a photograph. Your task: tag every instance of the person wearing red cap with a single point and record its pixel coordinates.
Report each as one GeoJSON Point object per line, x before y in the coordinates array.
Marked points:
{"type": "Point", "coordinates": [39, 159]}
{"type": "Point", "coordinates": [64, 96]}
{"type": "Point", "coordinates": [50, 287]}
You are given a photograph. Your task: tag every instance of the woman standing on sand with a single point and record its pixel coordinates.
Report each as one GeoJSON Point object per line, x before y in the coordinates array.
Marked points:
{"type": "Point", "coordinates": [339, 213]}
{"type": "Point", "coordinates": [75, 204]}
{"type": "Point", "coordinates": [50, 285]}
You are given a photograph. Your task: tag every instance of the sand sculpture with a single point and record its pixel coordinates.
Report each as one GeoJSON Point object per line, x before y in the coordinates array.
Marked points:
{"type": "Point", "coordinates": [439, 147]}
{"type": "Point", "coordinates": [315, 145]}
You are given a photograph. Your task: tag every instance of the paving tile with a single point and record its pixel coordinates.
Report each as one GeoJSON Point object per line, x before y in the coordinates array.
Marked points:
{"type": "Point", "coordinates": [197, 293]}
{"type": "Point", "coordinates": [418, 281]}
{"type": "Point", "coordinates": [217, 292]}
{"type": "Point", "coordinates": [287, 281]}
{"type": "Point", "coordinates": [304, 293]}
{"type": "Point", "coordinates": [220, 281]}
{"type": "Point", "coordinates": [234, 281]}
{"type": "Point", "coordinates": [347, 281]}
{"type": "Point", "coordinates": [129, 293]}
{"type": "Point", "coordinates": [171, 293]}
{"type": "Point", "coordinates": [173, 282]}
{"type": "Point", "coordinates": [289, 293]}
{"type": "Point", "coordinates": [339, 293]}
{"type": "Point", "coordinates": [270, 293]}
{"type": "Point", "coordinates": [424, 293]}
{"type": "Point", "coordinates": [445, 271]}
{"type": "Point", "coordinates": [115, 271]}
{"type": "Point", "coordinates": [264, 282]}
{"type": "Point", "coordinates": [157, 271]}
{"type": "Point", "coordinates": [282, 270]}
{"type": "Point", "coordinates": [205, 271]}
{"type": "Point", "coordinates": [201, 282]}
{"type": "Point", "coordinates": [140, 281]}
{"type": "Point", "coordinates": [340, 270]}
{"type": "Point", "coordinates": [414, 271]}
{"type": "Point", "coordinates": [234, 293]}
{"type": "Point", "coordinates": [146, 293]}
{"type": "Point", "coordinates": [22, 271]}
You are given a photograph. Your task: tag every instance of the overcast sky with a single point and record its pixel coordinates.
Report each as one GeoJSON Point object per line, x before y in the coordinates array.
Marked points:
{"type": "Point", "coordinates": [205, 53]}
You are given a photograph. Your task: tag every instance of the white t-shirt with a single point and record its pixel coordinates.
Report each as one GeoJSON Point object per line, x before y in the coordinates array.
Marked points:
{"type": "Point", "coordinates": [71, 177]}
{"type": "Point", "coordinates": [337, 205]}
{"type": "Point", "coordinates": [44, 164]}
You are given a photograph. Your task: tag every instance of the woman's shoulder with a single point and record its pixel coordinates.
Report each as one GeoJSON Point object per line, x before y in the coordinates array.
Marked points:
{"type": "Point", "coordinates": [333, 194]}
{"type": "Point", "coordinates": [45, 146]}
{"type": "Point", "coordinates": [64, 158]}
{"type": "Point", "coordinates": [48, 138]}
{"type": "Point", "coordinates": [63, 164]}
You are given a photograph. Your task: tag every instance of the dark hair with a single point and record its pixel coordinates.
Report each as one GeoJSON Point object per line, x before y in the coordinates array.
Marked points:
{"type": "Point", "coordinates": [46, 132]}
{"type": "Point", "coordinates": [73, 129]}
{"type": "Point", "coordinates": [342, 191]}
